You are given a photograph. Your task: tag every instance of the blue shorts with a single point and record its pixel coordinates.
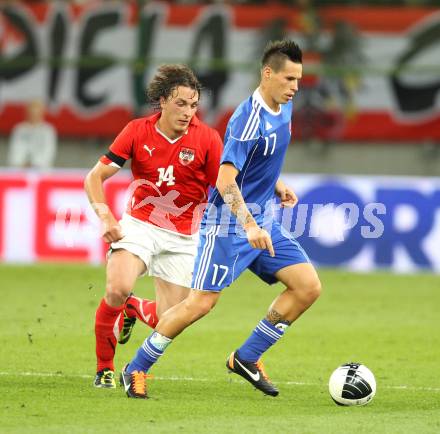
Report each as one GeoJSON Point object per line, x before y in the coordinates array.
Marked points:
{"type": "Point", "coordinates": [221, 257]}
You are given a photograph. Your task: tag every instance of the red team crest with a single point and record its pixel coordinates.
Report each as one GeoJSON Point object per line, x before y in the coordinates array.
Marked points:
{"type": "Point", "coordinates": [186, 156]}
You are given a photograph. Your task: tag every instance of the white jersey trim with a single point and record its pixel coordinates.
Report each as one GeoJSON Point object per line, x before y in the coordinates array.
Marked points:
{"type": "Point", "coordinates": [257, 96]}
{"type": "Point", "coordinates": [172, 141]}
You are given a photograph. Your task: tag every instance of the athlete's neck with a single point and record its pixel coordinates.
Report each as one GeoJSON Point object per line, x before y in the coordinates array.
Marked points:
{"type": "Point", "coordinates": [267, 98]}
{"type": "Point", "coordinates": [166, 129]}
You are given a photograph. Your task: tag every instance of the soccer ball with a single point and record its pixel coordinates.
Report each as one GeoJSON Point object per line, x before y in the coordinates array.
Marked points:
{"type": "Point", "coordinates": [352, 384]}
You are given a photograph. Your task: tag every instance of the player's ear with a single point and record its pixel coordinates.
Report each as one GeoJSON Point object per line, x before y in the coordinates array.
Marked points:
{"type": "Point", "coordinates": [162, 102]}
{"type": "Point", "coordinates": [266, 72]}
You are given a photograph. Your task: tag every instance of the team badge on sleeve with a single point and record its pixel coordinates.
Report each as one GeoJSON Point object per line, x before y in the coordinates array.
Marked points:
{"type": "Point", "coordinates": [186, 156]}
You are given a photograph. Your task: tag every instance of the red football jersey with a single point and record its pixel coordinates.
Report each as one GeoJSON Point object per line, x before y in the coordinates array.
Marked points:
{"type": "Point", "coordinates": [171, 177]}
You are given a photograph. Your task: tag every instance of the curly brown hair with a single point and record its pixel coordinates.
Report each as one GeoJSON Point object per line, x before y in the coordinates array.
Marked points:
{"type": "Point", "coordinates": [167, 79]}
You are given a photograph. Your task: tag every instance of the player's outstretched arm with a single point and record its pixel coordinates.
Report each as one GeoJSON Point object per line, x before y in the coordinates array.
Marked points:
{"type": "Point", "coordinates": [93, 185]}
{"type": "Point", "coordinates": [227, 186]}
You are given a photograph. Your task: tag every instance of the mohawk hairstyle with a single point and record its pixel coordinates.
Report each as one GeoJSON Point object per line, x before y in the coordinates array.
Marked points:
{"type": "Point", "coordinates": [277, 52]}
{"type": "Point", "coordinates": [167, 79]}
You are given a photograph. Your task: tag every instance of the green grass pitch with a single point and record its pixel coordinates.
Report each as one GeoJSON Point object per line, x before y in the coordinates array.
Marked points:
{"type": "Point", "coordinates": [390, 323]}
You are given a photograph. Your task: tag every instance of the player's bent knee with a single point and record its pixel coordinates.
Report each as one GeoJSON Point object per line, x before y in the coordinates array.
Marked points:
{"type": "Point", "coordinates": [200, 304]}
{"type": "Point", "coordinates": [117, 292]}
{"type": "Point", "coordinates": [315, 289]}
{"type": "Point", "coordinates": [205, 308]}
{"type": "Point", "coordinates": [308, 292]}
{"type": "Point", "coordinates": [312, 290]}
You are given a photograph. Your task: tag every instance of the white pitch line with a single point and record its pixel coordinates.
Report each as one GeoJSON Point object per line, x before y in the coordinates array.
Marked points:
{"type": "Point", "coordinates": [286, 383]}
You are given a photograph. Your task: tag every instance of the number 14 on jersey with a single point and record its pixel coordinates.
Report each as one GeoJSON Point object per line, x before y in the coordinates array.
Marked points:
{"type": "Point", "coordinates": [166, 175]}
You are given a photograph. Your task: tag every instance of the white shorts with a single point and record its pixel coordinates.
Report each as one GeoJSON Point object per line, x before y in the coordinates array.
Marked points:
{"type": "Point", "coordinates": [166, 254]}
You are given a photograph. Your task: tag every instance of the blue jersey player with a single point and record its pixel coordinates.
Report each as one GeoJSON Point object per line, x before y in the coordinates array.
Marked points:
{"type": "Point", "coordinates": [238, 231]}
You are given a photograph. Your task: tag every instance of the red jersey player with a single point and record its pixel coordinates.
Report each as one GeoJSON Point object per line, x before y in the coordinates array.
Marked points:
{"type": "Point", "coordinates": [174, 158]}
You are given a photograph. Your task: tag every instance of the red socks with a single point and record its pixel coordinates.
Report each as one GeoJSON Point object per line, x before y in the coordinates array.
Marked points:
{"type": "Point", "coordinates": [109, 321]}
{"type": "Point", "coordinates": [143, 310]}
{"type": "Point", "coordinates": [105, 319]}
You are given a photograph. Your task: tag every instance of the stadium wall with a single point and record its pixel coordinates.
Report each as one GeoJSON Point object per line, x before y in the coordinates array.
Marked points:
{"type": "Point", "coordinates": [315, 157]}
{"type": "Point", "coordinates": [360, 223]}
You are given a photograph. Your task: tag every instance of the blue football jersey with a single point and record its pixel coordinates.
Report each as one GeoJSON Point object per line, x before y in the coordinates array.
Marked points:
{"type": "Point", "coordinates": [255, 142]}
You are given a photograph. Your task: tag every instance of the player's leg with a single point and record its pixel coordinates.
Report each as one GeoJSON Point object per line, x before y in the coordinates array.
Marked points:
{"type": "Point", "coordinates": [171, 268]}
{"type": "Point", "coordinates": [192, 308]}
{"type": "Point", "coordinates": [303, 288]}
{"type": "Point", "coordinates": [149, 311]}
{"type": "Point", "coordinates": [213, 270]}
{"type": "Point", "coordinates": [168, 295]}
{"type": "Point", "coordinates": [172, 323]}
{"type": "Point", "coordinates": [123, 268]}
{"type": "Point", "coordinates": [215, 267]}
{"type": "Point", "coordinates": [292, 267]}
{"type": "Point", "coordinates": [140, 239]}
{"type": "Point", "coordinates": [135, 308]}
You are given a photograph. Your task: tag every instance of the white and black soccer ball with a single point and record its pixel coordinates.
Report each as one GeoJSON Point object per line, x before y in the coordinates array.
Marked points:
{"type": "Point", "coordinates": [352, 384]}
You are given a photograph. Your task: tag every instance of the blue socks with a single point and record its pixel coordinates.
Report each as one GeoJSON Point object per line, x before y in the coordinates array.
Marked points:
{"type": "Point", "coordinates": [148, 354]}
{"type": "Point", "coordinates": [261, 339]}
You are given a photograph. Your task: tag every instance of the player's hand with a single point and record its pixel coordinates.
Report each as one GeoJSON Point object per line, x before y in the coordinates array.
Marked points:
{"type": "Point", "coordinates": [111, 229]}
{"type": "Point", "coordinates": [286, 194]}
{"type": "Point", "coordinates": [259, 238]}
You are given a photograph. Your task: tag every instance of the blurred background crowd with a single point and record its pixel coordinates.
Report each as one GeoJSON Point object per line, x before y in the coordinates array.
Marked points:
{"type": "Point", "coordinates": [369, 72]}
{"type": "Point", "coordinates": [256, 2]}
